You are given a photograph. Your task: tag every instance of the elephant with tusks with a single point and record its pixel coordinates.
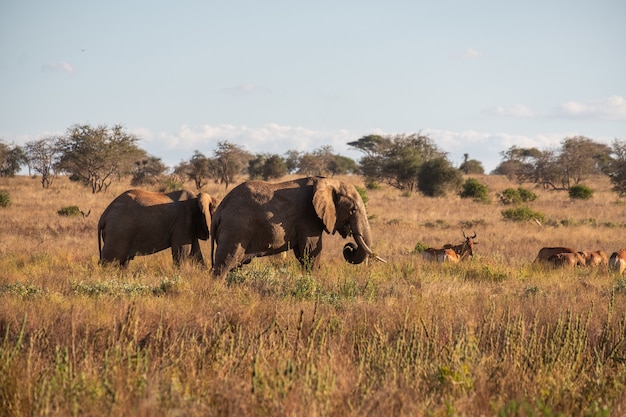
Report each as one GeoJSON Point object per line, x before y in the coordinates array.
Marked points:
{"type": "Point", "coordinates": [259, 219]}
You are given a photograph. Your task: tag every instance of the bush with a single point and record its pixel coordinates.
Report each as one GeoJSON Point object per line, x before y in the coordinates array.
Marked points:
{"type": "Point", "coordinates": [520, 214]}
{"type": "Point", "coordinates": [420, 247]}
{"type": "Point", "coordinates": [526, 195]}
{"type": "Point", "coordinates": [5, 199]}
{"type": "Point", "coordinates": [363, 193]}
{"type": "Point", "coordinates": [517, 196]}
{"type": "Point", "coordinates": [437, 176]}
{"type": "Point", "coordinates": [69, 211]}
{"type": "Point", "coordinates": [474, 189]}
{"type": "Point", "coordinates": [580, 192]}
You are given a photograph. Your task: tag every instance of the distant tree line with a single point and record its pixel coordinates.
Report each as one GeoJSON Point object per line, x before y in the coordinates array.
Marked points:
{"type": "Point", "coordinates": [97, 156]}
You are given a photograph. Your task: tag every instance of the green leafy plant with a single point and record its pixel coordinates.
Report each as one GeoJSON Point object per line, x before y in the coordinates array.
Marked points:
{"type": "Point", "coordinates": [5, 199]}
{"type": "Point", "coordinates": [516, 196]}
{"type": "Point", "coordinates": [520, 214]}
{"type": "Point", "coordinates": [474, 189]}
{"type": "Point", "coordinates": [70, 211]}
{"type": "Point", "coordinates": [580, 192]}
{"type": "Point", "coordinates": [363, 193]}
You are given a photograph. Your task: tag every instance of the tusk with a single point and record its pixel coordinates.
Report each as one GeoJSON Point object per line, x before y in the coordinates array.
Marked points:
{"type": "Point", "coordinates": [359, 240]}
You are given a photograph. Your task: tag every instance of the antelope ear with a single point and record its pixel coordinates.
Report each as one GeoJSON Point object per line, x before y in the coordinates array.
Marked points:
{"type": "Point", "coordinates": [324, 203]}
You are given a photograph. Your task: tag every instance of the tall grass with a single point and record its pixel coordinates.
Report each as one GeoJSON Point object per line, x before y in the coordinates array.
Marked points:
{"type": "Point", "coordinates": [497, 335]}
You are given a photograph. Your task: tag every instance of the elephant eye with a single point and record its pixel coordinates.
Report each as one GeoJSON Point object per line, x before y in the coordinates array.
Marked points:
{"type": "Point", "coordinates": [352, 210]}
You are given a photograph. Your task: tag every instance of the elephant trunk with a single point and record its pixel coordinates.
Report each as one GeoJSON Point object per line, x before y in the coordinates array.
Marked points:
{"type": "Point", "coordinates": [356, 254]}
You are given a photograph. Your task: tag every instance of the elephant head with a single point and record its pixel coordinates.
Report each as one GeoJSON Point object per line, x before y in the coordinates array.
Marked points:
{"type": "Point", "coordinates": [341, 209]}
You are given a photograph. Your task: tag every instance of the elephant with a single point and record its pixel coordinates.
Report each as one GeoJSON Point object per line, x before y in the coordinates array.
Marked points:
{"type": "Point", "coordinates": [140, 222]}
{"type": "Point", "coordinates": [259, 218]}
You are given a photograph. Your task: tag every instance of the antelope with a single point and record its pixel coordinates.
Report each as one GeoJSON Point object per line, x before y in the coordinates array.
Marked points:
{"type": "Point", "coordinates": [570, 259]}
{"type": "Point", "coordinates": [617, 261]}
{"type": "Point", "coordinates": [545, 253]}
{"type": "Point", "coordinates": [451, 253]}
{"type": "Point", "coordinates": [595, 258]}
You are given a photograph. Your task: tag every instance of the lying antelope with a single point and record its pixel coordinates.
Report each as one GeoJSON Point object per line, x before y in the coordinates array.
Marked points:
{"type": "Point", "coordinates": [545, 253]}
{"type": "Point", "coordinates": [617, 261]}
{"type": "Point", "coordinates": [451, 253]}
{"type": "Point", "coordinates": [595, 258]}
{"type": "Point", "coordinates": [570, 259]}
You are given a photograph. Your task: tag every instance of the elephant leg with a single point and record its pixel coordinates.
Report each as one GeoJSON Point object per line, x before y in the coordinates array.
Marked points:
{"type": "Point", "coordinates": [178, 253]}
{"type": "Point", "coordinates": [196, 253]}
{"type": "Point", "coordinates": [308, 253]}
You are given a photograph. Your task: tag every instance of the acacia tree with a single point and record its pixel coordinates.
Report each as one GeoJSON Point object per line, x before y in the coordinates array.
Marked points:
{"type": "Point", "coordinates": [98, 155]}
{"type": "Point", "coordinates": [396, 160]}
{"type": "Point", "coordinates": [148, 171]}
{"type": "Point", "coordinates": [267, 166]}
{"type": "Point", "coordinates": [42, 156]}
{"type": "Point", "coordinates": [11, 159]}
{"type": "Point", "coordinates": [616, 167]}
{"type": "Point", "coordinates": [558, 169]}
{"type": "Point", "coordinates": [198, 169]}
{"type": "Point", "coordinates": [231, 160]}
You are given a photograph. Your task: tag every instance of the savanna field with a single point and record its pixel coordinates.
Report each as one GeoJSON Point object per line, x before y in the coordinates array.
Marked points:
{"type": "Point", "coordinates": [497, 335]}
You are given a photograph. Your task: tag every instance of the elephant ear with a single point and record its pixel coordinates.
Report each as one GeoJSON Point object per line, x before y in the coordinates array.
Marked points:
{"type": "Point", "coordinates": [324, 203]}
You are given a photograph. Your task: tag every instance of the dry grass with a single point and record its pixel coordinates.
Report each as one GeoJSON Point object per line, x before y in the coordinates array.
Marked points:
{"type": "Point", "coordinates": [494, 336]}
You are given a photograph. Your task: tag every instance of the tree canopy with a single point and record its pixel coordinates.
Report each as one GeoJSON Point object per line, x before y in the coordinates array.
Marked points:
{"type": "Point", "coordinates": [12, 157]}
{"type": "Point", "coordinates": [398, 161]}
{"type": "Point", "coordinates": [559, 169]}
{"type": "Point", "coordinates": [98, 155]}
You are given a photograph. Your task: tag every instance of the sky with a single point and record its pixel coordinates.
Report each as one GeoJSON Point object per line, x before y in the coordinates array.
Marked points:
{"type": "Point", "coordinates": [477, 76]}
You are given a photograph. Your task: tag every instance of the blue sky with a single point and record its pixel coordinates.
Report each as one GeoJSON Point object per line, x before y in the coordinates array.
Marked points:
{"type": "Point", "coordinates": [476, 76]}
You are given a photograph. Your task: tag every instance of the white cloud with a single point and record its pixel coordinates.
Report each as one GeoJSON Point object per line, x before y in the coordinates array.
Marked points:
{"type": "Point", "coordinates": [517, 110]}
{"type": "Point", "coordinates": [611, 108]}
{"type": "Point", "coordinates": [469, 54]}
{"type": "Point", "coordinates": [59, 66]}
{"type": "Point", "coordinates": [243, 89]}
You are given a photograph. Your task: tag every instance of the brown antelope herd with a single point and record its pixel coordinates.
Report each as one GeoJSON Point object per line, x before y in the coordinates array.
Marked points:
{"type": "Point", "coordinates": [558, 256]}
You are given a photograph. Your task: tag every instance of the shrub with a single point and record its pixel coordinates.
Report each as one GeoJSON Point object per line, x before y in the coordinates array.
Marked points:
{"type": "Point", "coordinates": [526, 195]}
{"type": "Point", "coordinates": [5, 199]}
{"type": "Point", "coordinates": [474, 189]}
{"type": "Point", "coordinates": [580, 192]}
{"type": "Point", "coordinates": [363, 193]}
{"type": "Point", "coordinates": [517, 196]}
{"type": "Point", "coordinates": [522, 213]}
{"type": "Point", "coordinates": [372, 185]}
{"type": "Point", "coordinates": [420, 247]}
{"type": "Point", "coordinates": [69, 211]}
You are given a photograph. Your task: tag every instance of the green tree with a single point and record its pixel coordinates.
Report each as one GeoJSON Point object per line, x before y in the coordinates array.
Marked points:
{"type": "Point", "coordinates": [558, 169]}
{"type": "Point", "coordinates": [12, 157]}
{"type": "Point", "coordinates": [42, 156]}
{"type": "Point", "coordinates": [616, 167]}
{"type": "Point", "coordinates": [232, 160]}
{"type": "Point", "coordinates": [437, 176]}
{"type": "Point", "coordinates": [267, 166]}
{"type": "Point", "coordinates": [474, 189]}
{"type": "Point", "coordinates": [342, 165]}
{"type": "Point", "coordinates": [148, 171]}
{"type": "Point", "coordinates": [199, 169]}
{"type": "Point", "coordinates": [396, 160]}
{"type": "Point", "coordinates": [581, 157]}
{"type": "Point", "coordinates": [471, 166]}
{"type": "Point", "coordinates": [98, 155]}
